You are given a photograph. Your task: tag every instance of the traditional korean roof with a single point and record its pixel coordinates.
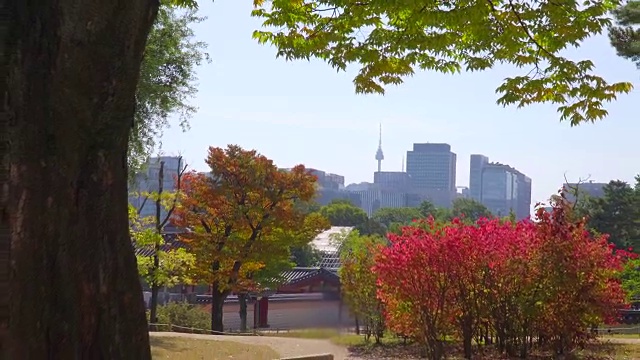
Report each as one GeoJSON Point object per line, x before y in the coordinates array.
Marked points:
{"type": "Point", "coordinates": [171, 242]}
{"type": "Point", "coordinates": [329, 244]}
{"type": "Point", "coordinates": [299, 274]}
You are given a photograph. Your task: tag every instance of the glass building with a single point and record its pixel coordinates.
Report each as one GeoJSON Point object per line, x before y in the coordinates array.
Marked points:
{"type": "Point", "coordinates": [432, 168]}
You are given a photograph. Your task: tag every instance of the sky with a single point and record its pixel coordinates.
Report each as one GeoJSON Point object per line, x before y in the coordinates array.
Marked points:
{"type": "Point", "coordinates": [305, 112]}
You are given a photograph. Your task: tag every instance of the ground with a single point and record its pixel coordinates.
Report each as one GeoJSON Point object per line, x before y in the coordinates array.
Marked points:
{"type": "Point", "coordinates": [284, 347]}
{"type": "Point", "coordinates": [187, 348]}
{"type": "Point", "coordinates": [166, 345]}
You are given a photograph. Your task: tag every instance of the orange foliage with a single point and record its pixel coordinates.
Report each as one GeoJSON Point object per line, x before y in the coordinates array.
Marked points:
{"type": "Point", "coordinates": [234, 212]}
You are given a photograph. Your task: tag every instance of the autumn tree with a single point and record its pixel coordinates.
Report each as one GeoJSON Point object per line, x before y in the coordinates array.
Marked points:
{"type": "Point", "coordinates": [521, 284]}
{"type": "Point", "coordinates": [418, 298]}
{"type": "Point", "coordinates": [390, 41]}
{"type": "Point", "coordinates": [566, 251]}
{"type": "Point", "coordinates": [359, 284]}
{"type": "Point", "coordinates": [233, 215]}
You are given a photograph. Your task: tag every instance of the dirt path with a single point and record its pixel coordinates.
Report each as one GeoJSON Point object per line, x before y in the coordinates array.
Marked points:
{"type": "Point", "coordinates": [284, 346]}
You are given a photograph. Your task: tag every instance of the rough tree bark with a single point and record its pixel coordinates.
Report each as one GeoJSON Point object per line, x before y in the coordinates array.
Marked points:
{"type": "Point", "coordinates": [217, 310]}
{"type": "Point", "coordinates": [74, 289]}
{"type": "Point", "coordinates": [242, 300]}
{"type": "Point", "coordinates": [5, 238]}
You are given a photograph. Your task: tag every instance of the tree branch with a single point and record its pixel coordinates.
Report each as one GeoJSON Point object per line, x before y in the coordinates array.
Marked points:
{"type": "Point", "coordinates": [575, 189]}
{"type": "Point", "coordinates": [181, 171]}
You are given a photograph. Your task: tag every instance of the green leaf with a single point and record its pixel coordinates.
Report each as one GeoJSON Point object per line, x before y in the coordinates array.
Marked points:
{"type": "Point", "coordinates": [390, 40]}
{"type": "Point", "coordinates": [167, 78]}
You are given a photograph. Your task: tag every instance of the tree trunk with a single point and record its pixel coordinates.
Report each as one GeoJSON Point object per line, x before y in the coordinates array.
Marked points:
{"type": "Point", "coordinates": [153, 304]}
{"type": "Point", "coordinates": [217, 304]}
{"type": "Point", "coordinates": [9, 42]}
{"type": "Point", "coordinates": [74, 286]}
{"type": "Point", "coordinates": [467, 336]}
{"type": "Point", "coordinates": [242, 299]}
{"type": "Point", "coordinates": [153, 311]}
{"type": "Point", "coordinates": [5, 237]}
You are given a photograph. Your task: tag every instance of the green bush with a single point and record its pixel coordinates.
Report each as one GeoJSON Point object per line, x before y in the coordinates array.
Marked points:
{"type": "Point", "coordinates": [184, 314]}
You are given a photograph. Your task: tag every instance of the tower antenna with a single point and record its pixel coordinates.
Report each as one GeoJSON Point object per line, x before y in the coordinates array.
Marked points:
{"type": "Point", "coordinates": [379, 154]}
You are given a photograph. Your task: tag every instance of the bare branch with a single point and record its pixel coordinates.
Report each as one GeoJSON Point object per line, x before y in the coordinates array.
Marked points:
{"type": "Point", "coordinates": [206, 226]}
{"type": "Point", "coordinates": [144, 202]}
{"type": "Point", "coordinates": [575, 189]}
{"type": "Point", "coordinates": [181, 171]}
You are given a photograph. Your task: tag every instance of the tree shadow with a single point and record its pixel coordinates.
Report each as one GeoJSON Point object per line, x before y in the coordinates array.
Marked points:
{"type": "Point", "coordinates": [168, 344]}
{"type": "Point", "coordinates": [385, 351]}
{"type": "Point", "coordinates": [597, 351]}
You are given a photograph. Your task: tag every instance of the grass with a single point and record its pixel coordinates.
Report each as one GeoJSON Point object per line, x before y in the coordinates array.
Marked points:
{"type": "Point", "coordinates": [307, 334]}
{"type": "Point", "coordinates": [610, 351]}
{"type": "Point", "coordinates": [619, 336]}
{"type": "Point", "coordinates": [336, 337]}
{"type": "Point", "coordinates": [180, 348]}
{"type": "Point", "coordinates": [395, 348]}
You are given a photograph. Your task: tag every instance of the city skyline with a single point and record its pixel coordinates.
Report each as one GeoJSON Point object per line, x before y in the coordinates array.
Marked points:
{"type": "Point", "coordinates": [388, 189]}
{"type": "Point", "coordinates": [430, 178]}
{"type": "Point", "coordinates": [430, 175]}
{"type": "Point", "coordinates": [462, 166]}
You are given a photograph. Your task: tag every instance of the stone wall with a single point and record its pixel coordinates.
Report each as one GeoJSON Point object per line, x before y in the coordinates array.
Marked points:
{"type": "Point", "coordinates": [297, 314]}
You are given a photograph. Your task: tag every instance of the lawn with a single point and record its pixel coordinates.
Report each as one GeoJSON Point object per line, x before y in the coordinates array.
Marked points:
{"type": "Point", "coordinates": [335, 336]}
{"type": "Point", "coordinates": [395, 348]}
{"type": "Point", "coordinates": [181, 348]}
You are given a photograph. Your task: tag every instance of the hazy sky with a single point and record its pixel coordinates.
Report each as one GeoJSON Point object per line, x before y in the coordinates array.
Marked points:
{"type": "Point", "coordinates": [305, 112]}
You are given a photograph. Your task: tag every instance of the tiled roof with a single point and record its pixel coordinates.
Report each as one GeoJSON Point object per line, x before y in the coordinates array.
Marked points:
{"type": "Point", "coordinates": [329, 245]}
{"type": "Point", "coordinates": [330, 261]}
{"type": "Point", "coordinates": [289, 277]}
{"type": "Point", "coordinates": [298, 274]}
{"type": "Point", "coordinates": [206, 299]}
{"type": "Point", "coordinates": [171, 241]}
{"type": "Point", "coordinates": [327, 240]}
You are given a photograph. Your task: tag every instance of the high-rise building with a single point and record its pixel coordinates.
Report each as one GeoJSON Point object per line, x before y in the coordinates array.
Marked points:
{"type": "Point", "coordinates": [363, 186]}
{"type": "Point", "coordinates": [591, 188]}
{"type": "Point", "coordinates": [477, 163]}
{"type": "Point", "coordinates": [397, 181]}
{"type": "Point", "coordinates": [523, 207]}
{"type": "Point", "coordinates": [372, 200]}
{"type": "Point", "coordinates": [328, 180]}
{"type": "Point", "coordinates": [463, 192]}
{"type": "Point", "coordinates": [501, 188]}
{"type": "Point", "coordinates": [149, 181]}
{"type": "Point", "coordinates": [330, 187]}
{"type": "Point", "coordinates": [335, 180]}
{"type": "Point", "coordinates": [432, 168]}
